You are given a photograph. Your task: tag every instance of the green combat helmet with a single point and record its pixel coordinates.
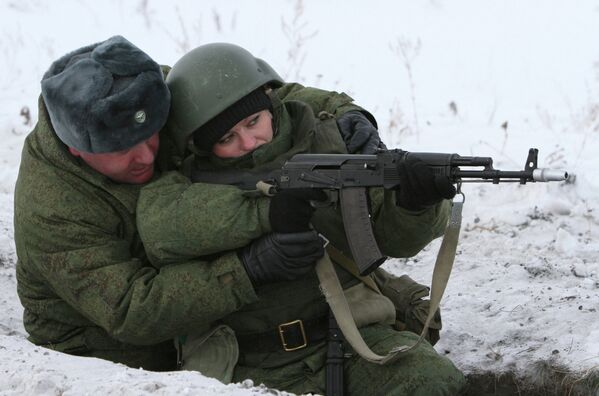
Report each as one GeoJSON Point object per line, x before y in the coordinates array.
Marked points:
{"type": "Point", "coordinates": [209, 79]}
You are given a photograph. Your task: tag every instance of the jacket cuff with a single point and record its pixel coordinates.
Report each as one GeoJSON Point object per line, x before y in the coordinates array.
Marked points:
{"type": "Point", "coordinates": [263, 214]}
{"type": "Point", "coordinates": [232, 273]}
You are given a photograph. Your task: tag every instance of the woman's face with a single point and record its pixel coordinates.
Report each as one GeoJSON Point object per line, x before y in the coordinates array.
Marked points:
{"type": "Point", "coordinates": [246, 136]}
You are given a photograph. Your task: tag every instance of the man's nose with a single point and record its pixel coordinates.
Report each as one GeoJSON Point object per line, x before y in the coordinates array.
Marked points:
{"type": "Point", "coordinates": [145, 153]}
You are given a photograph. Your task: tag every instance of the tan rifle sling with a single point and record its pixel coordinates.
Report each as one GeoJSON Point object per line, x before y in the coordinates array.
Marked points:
{"type": "Point", "coordinates": [333, 292]}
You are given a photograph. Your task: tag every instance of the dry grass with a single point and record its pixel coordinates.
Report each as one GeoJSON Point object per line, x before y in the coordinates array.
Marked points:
{"type": "Point", "coordinates": [298, 33]}
{"type": "Point", "coordinates": [545, 378]}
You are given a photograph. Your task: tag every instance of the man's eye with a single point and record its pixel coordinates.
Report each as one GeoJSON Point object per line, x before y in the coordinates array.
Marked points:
{"type": "Point", "coordinates": [119, 153]}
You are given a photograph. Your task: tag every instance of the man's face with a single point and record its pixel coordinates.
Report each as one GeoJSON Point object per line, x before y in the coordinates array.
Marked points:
{"type": "Point", "coordinates": [246, 136]}
{"type": "Point", "coordinates": [132, 166]}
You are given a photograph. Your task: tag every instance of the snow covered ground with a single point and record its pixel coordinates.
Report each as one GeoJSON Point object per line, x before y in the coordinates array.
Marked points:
{"type": "Point", "coordinates": [474, 77]}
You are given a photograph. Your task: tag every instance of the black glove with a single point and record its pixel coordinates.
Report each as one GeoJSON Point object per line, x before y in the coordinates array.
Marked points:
{"type": "Point", "coordinates": [419, 188]}
{"type": "Point", "coordinates": [290, 210]}
{"type": "Point", "coordinates": [281, 257]}
{"type": "Point", "coordinates": [360, 136]}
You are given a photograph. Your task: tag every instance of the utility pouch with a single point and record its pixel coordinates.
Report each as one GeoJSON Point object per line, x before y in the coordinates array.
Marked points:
{"type": "Point", "coordinates": [369, 307]}
{"type": "Point", "coordinates": [213, 353]}
{"type": "Point", "coordinates": [411, 307]}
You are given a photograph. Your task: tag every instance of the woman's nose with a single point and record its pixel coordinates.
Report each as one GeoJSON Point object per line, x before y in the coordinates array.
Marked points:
{"type": "Point", "coordinates": [248, 141]}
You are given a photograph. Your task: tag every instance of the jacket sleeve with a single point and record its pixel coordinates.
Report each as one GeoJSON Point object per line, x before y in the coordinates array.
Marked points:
{"type": "Point", "coordinates": [179, 220]}
{"type": "Point", "coordinates": [320, 100]}
{"type": "Point", "coordinates": [398, 232]}
{"type": "Point", "coordinates": [401, 232]}
{"type": "Point", "coordinates": [83, 258]}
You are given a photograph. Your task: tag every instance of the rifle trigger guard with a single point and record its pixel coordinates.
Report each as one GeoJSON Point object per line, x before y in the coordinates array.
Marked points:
{"type": "Point", "coordinates": [331, 200]}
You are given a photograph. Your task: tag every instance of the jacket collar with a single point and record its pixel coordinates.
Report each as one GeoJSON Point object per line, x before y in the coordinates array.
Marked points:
{"type": "Point", "coordinates": [50, 149]}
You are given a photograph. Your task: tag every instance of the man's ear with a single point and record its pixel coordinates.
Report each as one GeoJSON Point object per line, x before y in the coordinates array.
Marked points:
{"type": "Point", "coordinates": [74, 152]}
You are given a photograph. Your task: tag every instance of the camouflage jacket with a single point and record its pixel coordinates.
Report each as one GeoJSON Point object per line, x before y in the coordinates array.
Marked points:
{"type": "Point", "coordinates": [82, 274]}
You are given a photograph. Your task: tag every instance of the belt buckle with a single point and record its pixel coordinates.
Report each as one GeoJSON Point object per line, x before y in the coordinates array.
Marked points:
{"type": "Point", "coordinates": [282, 327]}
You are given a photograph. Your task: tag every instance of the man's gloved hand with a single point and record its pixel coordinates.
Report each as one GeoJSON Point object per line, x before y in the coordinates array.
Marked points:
{"type": "Point", "coordinates": [419, 188]}
{"type": "Point", "coordinates": [281, 257]}
{"type": "Point", "coordinates": [290, 210]}
{"type": "Point", "coordinates": [360, 136]}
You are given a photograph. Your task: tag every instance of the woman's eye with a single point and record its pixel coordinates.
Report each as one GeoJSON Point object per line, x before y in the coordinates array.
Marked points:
{"type": "Point", "coordinates": [225, 140]}
{"type": "Point", "coordinates": [254, 120]}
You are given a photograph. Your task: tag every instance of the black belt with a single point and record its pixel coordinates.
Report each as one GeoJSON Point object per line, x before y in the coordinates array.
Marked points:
{"type": "Point", "coordinates": [291, 336]}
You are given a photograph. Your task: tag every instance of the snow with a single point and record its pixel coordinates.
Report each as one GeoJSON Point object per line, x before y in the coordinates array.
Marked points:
{"type": "Point", "coordinates": [439, 76]}
{"type": "Point", "coordinates": [38, 371]}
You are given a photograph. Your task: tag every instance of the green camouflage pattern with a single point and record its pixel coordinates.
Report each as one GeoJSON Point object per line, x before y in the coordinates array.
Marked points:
{"type": "Point", "coordinates": [335, 103]}
{"type": "Point", "coordinates": [179, 219]}
{"type": "Point", "coordinates": [400, 233]}
{"type": "Point", "coordinates": [421, 372]}
{"type": "Point", "coordinates": [83, 278]}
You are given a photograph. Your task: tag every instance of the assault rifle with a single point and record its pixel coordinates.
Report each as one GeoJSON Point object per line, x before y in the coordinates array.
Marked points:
{"type": "Point", "coordinates": [346, 177]}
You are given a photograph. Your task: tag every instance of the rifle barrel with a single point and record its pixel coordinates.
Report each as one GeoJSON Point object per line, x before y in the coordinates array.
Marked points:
{"type": "Point", "coordinates": [497, 176]}
{"type": "Point", "coordinates": [546, 175]}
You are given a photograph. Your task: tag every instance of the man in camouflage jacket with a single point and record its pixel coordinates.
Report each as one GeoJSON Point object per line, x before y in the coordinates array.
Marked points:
{"type": "Point", "coordinates": [83, 276]}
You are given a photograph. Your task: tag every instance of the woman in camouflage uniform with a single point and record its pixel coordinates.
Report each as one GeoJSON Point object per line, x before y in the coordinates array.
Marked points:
{"type": "Point", "coordinates": [242, 118]}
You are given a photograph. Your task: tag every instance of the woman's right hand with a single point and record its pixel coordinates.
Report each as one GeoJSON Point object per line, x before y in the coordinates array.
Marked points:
{"type": "Point", "coordinates": [291, 211]}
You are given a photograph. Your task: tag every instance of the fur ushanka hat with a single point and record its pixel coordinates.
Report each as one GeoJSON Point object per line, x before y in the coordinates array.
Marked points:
{"type": "Point", "coordinates": [106, 97]}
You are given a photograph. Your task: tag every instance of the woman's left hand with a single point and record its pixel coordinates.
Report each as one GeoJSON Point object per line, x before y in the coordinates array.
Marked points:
{"type": "Point", "coordinates": [360, 136]}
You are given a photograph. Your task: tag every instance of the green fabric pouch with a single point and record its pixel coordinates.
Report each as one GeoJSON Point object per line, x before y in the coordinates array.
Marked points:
{"type": "Point", "coordinates": [369, 307]}
{"type": "Point", "coordinates": [411, 307]}
{"type": "Point", "coordinates": [213, 353]}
